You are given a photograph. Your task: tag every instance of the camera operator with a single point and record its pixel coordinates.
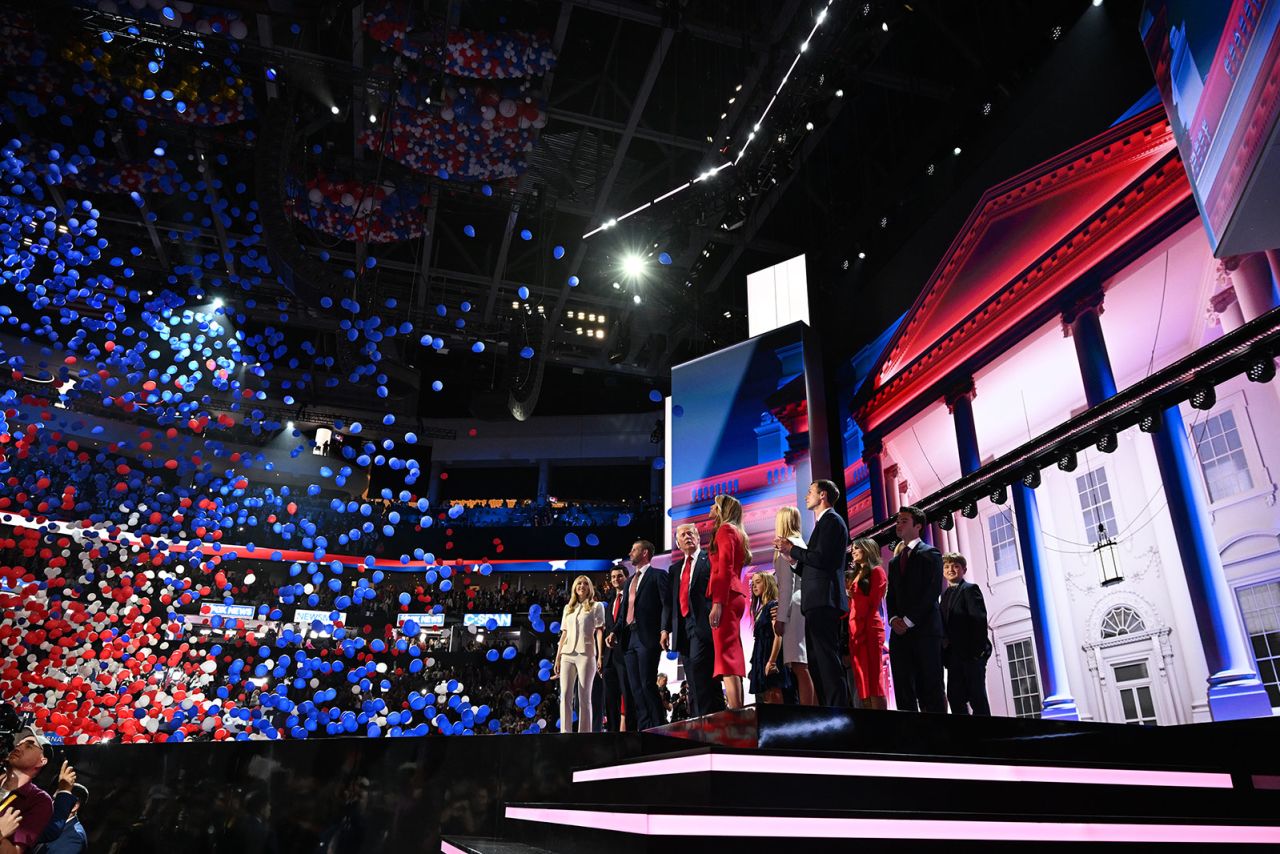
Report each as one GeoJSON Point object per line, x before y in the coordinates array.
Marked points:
{"type": "Point", "coordinates": [25, 809]}
{"type": "Point", "coordinates": [65, 834]}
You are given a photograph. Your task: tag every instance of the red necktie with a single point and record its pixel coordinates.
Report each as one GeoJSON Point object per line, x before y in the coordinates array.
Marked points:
{"type": "Point", "coordinates": [617, 603]}
{"type": "Point", "coordinates": [684, 587]}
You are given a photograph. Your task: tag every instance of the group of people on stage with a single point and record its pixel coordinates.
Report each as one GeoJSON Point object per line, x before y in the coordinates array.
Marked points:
{"type": "Point", "coordinates": [935, 620]}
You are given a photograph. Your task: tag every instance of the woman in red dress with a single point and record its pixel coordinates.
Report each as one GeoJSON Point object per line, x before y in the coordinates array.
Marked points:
{"type": "Point", "coordinates": [729, 553]}
{"type": "Point", "coordinates": [867, 583]}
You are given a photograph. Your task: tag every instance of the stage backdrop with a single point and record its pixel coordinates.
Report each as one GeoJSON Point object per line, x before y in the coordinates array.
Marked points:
{"type": "Point", "coordinates": [749, 421]}
{"type": "Point", "coordinates": [1217, 66]}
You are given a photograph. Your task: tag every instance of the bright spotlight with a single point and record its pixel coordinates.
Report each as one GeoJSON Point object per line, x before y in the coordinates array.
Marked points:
{"type": "Point", "coordinates": [956, 151]}
{"type": "Point", "coordinates": [217, 302]}
{"type": "Point", "coordinates": [334, 109]}
{"type": "Point", "coordinates": [288, 425]}
{"type": "Point", "coordinates": [635, 298]}
{"type": "Point", "coordinates": [633, 266]}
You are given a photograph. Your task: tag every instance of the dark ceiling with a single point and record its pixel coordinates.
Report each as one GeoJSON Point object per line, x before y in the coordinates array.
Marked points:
{"type": "Point", "coordinates": [857, 155]}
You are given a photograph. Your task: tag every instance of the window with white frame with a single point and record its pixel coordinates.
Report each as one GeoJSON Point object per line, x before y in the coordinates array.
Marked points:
{"type": "Point", "coordinates": [1024, 680]}
{"type": "Point", "coordinates": [1133, 681]}
{"type": "Point", "coordinates": [1004, 548]}
{"type": "Point", "coordinates": [1260, 607]}
{"type": "Point", "coordinates": [1122, 620]}
{"type": "Point", "coordinates": [1222, 459]}
{"type": "Point", "coordinates": [1095, 504]}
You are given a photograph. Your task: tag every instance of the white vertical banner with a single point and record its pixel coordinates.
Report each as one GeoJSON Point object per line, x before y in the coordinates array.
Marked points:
{"type": "Point", "coordinates": [666, 474]}
{"type": "Point", "coordinates": [777, 296]}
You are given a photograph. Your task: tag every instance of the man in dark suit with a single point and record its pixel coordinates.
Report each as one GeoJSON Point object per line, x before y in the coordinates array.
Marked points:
{"type": "Point", "coordinates": [647, 604]}
{"type": "Point", "coordinates": [823, 599]}
{"type": "Point", "coordinates": [915, 642]}
{"type": "Point", "coordinates": [691, 623]}
{"type": "Point", "coordinates": [613, 662]}
{"type": "Point", "coordinates": [965, 647]}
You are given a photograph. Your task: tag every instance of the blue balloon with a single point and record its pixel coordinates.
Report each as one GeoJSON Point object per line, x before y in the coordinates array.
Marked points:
{"type": "Point", "coordinates": [492, 655]}
{"type": "Point", "coordinates": [469, 230]}
{"type": "Point", "coordinates": [509, 653]}
{"type": "Point", "coordinates": [655, 395]}
{"type": "Point", "coordinates": [526, 234]}
{"type": "Point", "coordinates": [573, 281]}
{"type": "Point", "coordinates": [571, 540]}
{"type": "Point", "coordinates": [664, 258]}
{"type": "Point", "coordinates": [477, 347]}
{"type": "Point", "coordinates": [557, 252]}
{"type": "Point", "coordinates": [437, 386]}
{"type": "Point", "coordinates": [522, 292]}
{"type": "Point", "coordinates": [526, 352]}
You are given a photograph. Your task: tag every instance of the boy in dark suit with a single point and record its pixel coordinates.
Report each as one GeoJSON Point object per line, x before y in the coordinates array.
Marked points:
{"type": "Point", "coordinates": [965, 648]}
{"type": "Point", "coordinates": [613, 665]}
{"type": "Point", "coordinates": [915, 645]}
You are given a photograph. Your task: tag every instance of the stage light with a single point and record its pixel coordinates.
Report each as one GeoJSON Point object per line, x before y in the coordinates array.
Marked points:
{"type": "Point", "coordinates": [884, 26]}
{"type": "Point", "coordinates": [862, 256]}
{"type": "Point", "coordinates": [1203, 396]}
{"type": "Point", "coordinates": [956, 151]}
{"type": "Point", "coordinates": [945, 522]}
{"type": "Point", "coordinates": [1031, 479]}
{"type": "Point", "coordinates": [617, 286]}
{"type": "Point", "coordinates": [1107, 442]}
{"type": "Point", "coordinates": [602, 320]}
{"type": "Point", "coordinates": [334, 109]}
{"type": "Point", "coordinates": [635, 298]}
{"type": "Point", "coordinates": [1067, 460]}
{"type": "Point", "coordinates": [1097, 2]}
{"type": "Point", "coordinates": [578, 330]}
{"type": "Point", "coordinates": [633, 266]}
{"type": "Point", "coordinates": [808, 125]}
{"type": "Point", "coordinates": [1150, 421]}
{"type": "Point", "coordinates": [929, 169]}
{"type": "Point", "coordinates": [1000, 495]}
{"type": "Point", "coordinates": [288, 425]}
{"type": "Point", "coordinates": [839, 93]}
{"type": "Point", "coordinates": [1262, 368]}
{"type": "Point", "coordinates": [373, 119]}
{"type": "Point", "coordinates": [804, 46]}
{"type": "Point", "coordinates": [969, 510]}
{"type": "Point", "coordinates": [600, 333]}
{"type": "Point", "coordinates": [217, 302]}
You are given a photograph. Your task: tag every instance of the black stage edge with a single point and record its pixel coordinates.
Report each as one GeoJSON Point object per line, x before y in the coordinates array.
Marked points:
{"type": "Point", "coordinates": [736, 773]}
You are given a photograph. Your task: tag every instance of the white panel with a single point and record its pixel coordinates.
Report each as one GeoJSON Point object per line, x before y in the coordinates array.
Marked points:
{"type": "Point", "coordinates": [777, 296]}
{"type": "Point", "coordinates": [666, 474]}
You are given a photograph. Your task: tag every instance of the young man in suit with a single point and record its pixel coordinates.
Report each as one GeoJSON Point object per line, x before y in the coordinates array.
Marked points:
{"type": "Point", "coordinates": [823, 599]}
{"type": "Point", "coordinates": [965, 648]}
{"type": "Point", "coordinates": [613, 664]}
{"type": "Point", "coordinates": [915, 645]}
{"type": "Point", "coordinates": [647, 605]}
{"type": "Point", "coordinates": [690, 626]}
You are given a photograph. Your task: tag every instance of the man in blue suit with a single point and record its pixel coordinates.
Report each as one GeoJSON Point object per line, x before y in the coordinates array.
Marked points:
{"type": "Point", "coordinates": [690, 625]}
{"type": "Point", "coordinates": [823, 599]}
{"type": "Point", "coordinates": [647, 604]}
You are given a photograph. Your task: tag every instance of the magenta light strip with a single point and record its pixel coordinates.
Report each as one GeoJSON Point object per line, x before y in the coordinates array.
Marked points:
{"type": "Point", "coordinates": [740, 826]}
{"type": "Point", "coordinates": [913, 769]}
{"type": "Point", "coordinates": [446, 848]}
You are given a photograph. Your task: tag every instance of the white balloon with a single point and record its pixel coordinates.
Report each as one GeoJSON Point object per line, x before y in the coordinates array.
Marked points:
{"type": "Point", "coordinates": [239, 29]}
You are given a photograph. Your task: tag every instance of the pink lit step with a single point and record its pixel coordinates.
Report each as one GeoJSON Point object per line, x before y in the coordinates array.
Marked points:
{"type": "Point", "coordinates": [741, 763]}
{"type": "Point", "coordinates": [946, 830]}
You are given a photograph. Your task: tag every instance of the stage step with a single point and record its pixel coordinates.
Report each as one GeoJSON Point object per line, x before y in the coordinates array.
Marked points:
{"type": "Point", "coordinates": [482, 845]}
{"type": "Point", "coordinates": [625, 829]}
{"type": "Point", "coordinates": [723, 777]}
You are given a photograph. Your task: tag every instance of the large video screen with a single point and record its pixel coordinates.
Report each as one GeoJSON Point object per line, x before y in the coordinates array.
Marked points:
{"type": "Point", "coordinates": [1217, 66]}
{"type": "Point", "coordinates": [748, 421]}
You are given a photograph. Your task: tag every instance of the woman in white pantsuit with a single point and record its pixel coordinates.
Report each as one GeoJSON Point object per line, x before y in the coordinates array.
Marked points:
{"type": "Point", "coordinates": [578, 655]}
{"type": "Point", "coordinates": [789, 621]}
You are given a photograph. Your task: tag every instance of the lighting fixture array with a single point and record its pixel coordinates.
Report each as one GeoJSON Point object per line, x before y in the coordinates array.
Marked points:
{"type": "Point", "coordinates": [755, 128]}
